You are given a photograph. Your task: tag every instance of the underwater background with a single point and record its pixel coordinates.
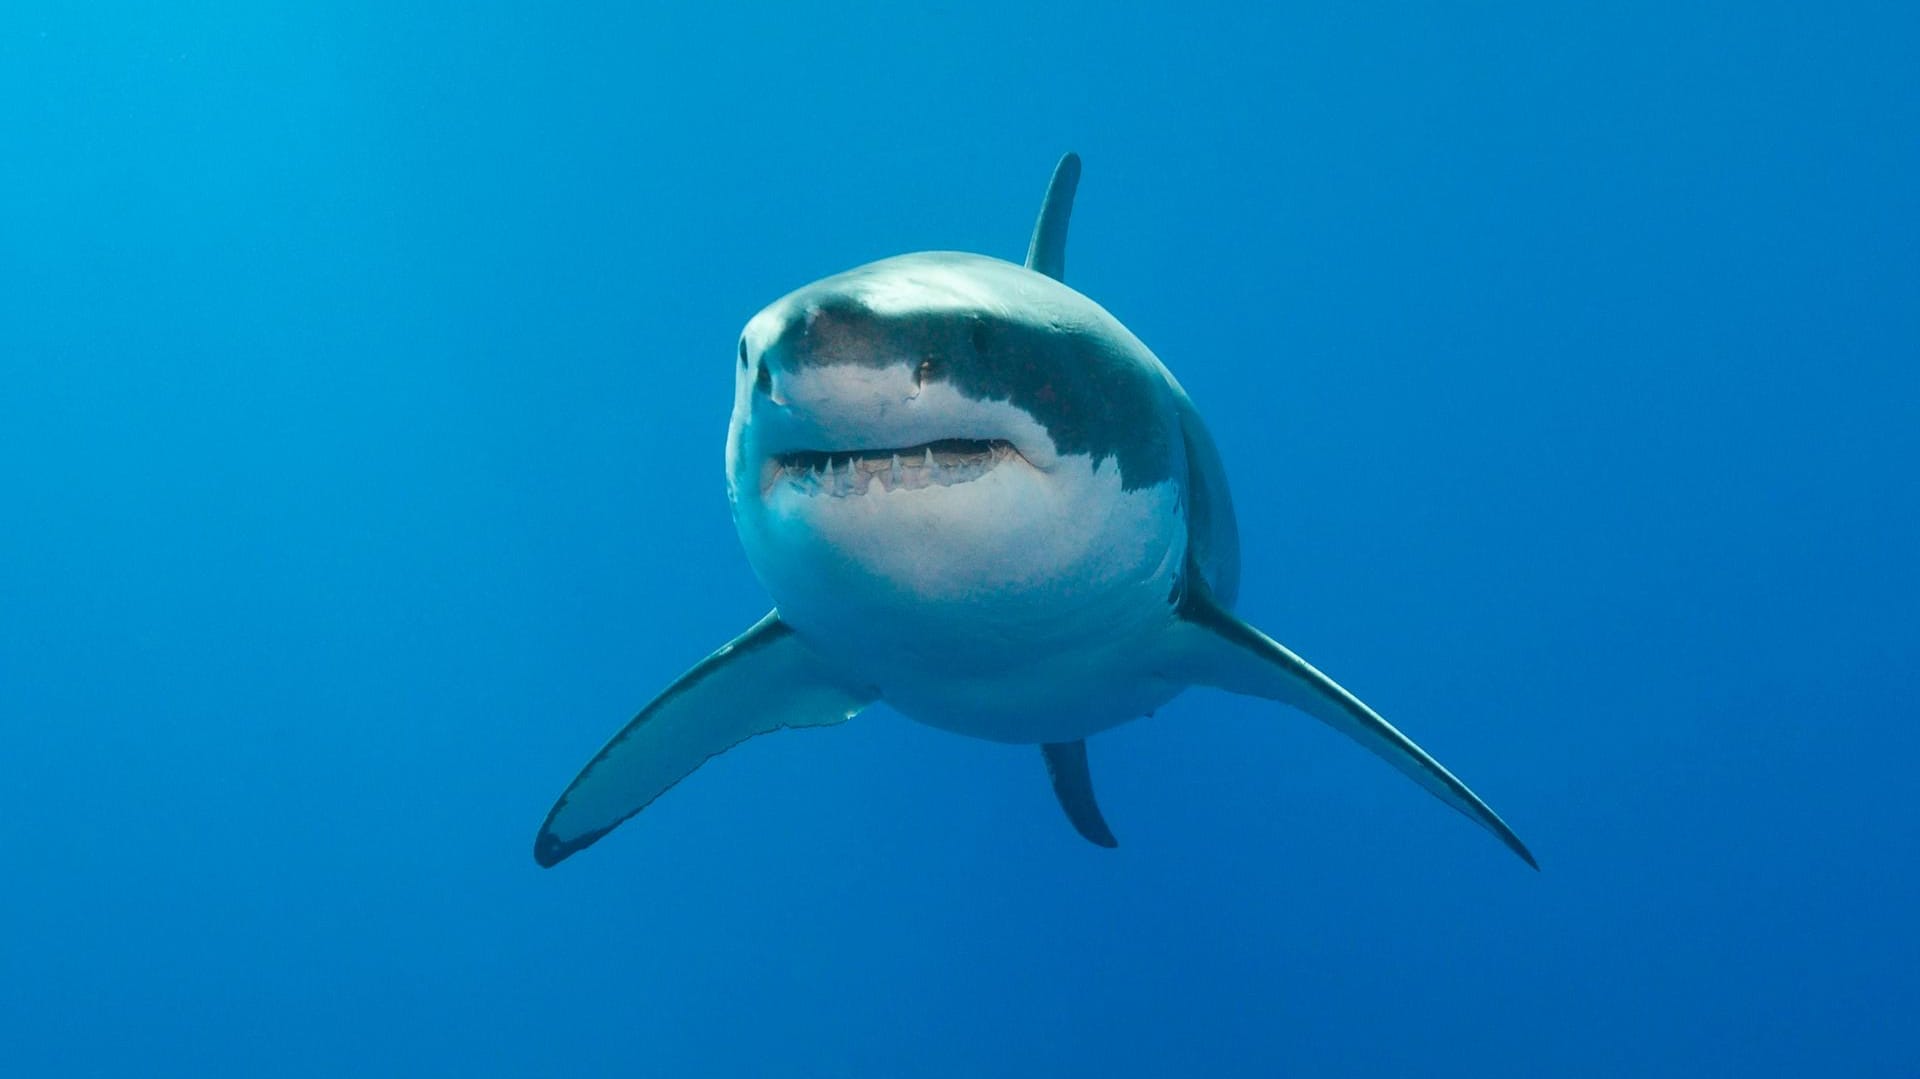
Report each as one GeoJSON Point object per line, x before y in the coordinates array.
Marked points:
{"type": "Point", "coordinates": [364, 372]}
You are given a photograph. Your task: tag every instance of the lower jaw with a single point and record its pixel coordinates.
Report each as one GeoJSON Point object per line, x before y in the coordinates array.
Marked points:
{"type": "Point", "coordinates": [947, 463]}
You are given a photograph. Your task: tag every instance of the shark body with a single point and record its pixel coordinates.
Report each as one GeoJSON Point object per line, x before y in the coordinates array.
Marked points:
{"type": "Point", "coordinates": [975, 495]}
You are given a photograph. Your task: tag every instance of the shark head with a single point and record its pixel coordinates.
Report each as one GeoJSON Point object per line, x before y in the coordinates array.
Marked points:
{"type": "Point", "coordinates": [948, 440]}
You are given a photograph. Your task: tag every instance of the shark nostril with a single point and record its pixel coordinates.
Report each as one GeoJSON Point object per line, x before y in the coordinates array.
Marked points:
{"type": "Point", "coordinates": [764, 381]}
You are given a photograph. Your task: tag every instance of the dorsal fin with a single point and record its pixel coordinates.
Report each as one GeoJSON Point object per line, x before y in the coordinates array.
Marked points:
{"type": "Point", "coordinates": [1047, 251]}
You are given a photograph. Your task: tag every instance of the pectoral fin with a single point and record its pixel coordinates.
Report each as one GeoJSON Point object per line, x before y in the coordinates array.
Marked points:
{"type": "Point", "coordinates": [1212, 647]}
{"type": "Point", "coordinates": [765, 680]}
{"type": "Point", "coordinates": [1073, 785]}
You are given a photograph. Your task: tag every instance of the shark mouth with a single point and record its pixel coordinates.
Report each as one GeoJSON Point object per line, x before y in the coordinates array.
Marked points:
{"type": "Point", "coordinates": [840, 473]}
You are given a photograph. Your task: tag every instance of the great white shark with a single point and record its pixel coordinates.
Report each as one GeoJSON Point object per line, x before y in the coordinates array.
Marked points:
{"type": "Point", "coordinates": [974, 495]}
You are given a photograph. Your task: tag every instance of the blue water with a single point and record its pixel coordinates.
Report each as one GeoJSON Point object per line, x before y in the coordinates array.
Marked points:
{"type": "Point", "coordinates": [363, 379]}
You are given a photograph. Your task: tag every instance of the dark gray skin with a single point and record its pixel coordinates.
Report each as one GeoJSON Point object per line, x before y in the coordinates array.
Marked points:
{"type": "Point", "coordinates": [1092, 397]}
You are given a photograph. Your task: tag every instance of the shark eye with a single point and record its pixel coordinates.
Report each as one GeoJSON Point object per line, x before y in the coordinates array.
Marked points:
{"type": "Point", "coordinates": [922, 373]}
{"type": "Point", "coordinates": [743, 353]}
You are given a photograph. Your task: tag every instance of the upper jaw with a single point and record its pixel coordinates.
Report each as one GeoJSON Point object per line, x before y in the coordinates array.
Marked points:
{"type": "Point", "coordinates": [853, 422]}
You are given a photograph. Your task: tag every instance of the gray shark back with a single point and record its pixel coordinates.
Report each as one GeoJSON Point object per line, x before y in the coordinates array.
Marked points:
{"type": "Point", "coordinates": [1213, 535]}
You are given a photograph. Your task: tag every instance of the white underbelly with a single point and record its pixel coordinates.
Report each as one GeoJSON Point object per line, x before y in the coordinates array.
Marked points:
{"type": "Point", "coordinates": [1021, 667]}
{"type": "Point", "coordinates": [1071, 698]}
{"type": "Point", "coordinates": [1018, 606]}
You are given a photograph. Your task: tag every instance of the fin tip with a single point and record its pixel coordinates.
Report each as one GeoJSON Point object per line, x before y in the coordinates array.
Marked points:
{"type": "Point", "coordinates": [550, 850]}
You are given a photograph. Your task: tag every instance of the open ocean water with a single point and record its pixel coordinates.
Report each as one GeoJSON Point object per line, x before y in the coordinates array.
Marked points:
{"type": "Point", "coordinates": [364, 372]}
